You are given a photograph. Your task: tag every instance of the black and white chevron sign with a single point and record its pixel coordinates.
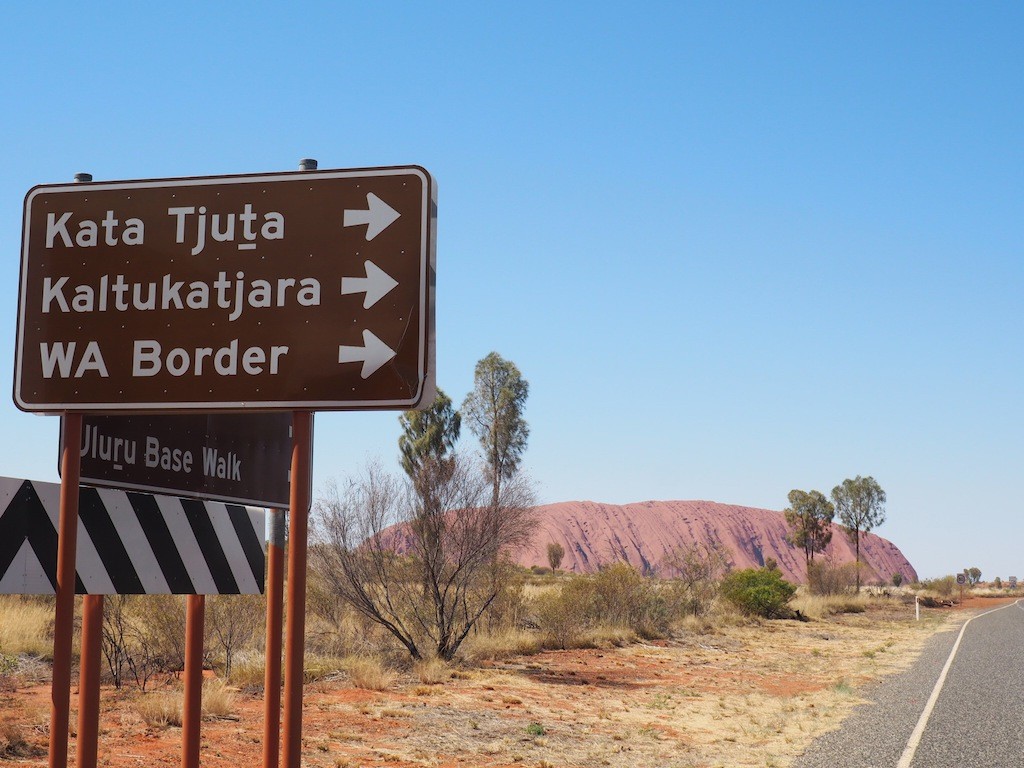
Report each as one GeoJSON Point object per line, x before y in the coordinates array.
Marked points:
{"type": "Point", "coordinates": [130, 543]}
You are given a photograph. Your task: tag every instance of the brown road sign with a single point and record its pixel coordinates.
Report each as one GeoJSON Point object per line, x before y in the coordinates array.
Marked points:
{"type": "Point", "coordinates": [240, 458]}
{"type": "Point", "coordinates": [302, 290]}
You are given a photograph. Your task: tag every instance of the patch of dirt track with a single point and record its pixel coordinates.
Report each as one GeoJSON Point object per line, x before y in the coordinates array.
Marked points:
{"type": "Point", "coordinates": [737, 696]}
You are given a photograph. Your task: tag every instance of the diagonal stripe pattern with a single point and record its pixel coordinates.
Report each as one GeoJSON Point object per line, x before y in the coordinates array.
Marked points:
{"type": "Point", "coordinates": [130, 543]}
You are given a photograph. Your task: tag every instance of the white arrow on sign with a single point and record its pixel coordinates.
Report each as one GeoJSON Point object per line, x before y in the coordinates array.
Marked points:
{"type": "Point", "coordinates": [376, 284]}
{"type": "Point", "coordinates": [373, 354]}
{"type": "Point", "coordinates": [377, 217]}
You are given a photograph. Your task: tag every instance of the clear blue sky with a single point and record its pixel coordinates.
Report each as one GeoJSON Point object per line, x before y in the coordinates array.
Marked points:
{"type": "Point", "coordinates": [735, 248]}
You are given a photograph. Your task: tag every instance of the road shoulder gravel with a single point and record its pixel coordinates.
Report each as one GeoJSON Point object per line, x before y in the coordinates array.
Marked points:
{"type": "Point", "coordinates": [875, 734]}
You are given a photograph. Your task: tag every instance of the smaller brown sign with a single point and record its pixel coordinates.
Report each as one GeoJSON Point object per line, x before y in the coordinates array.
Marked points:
{"type": "Point", "coordinates": [234, 458]}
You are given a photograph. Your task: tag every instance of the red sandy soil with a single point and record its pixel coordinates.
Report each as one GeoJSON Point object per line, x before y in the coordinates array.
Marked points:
{"type": "Point", "coordinates": [624, 707]}
{"type": "Point", "coordinates": [346, 727]}
{"type": "Point", "coordinates": [972, 603]}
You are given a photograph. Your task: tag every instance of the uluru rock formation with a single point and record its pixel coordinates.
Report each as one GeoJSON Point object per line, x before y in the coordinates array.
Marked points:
{"type": "Point", "coordinates": [642, 534]}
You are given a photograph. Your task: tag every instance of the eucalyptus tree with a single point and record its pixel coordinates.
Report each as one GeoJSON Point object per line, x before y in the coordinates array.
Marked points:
{"type": "Point", "coordinates": [494, 412]}
{"type": "Point", "coordinates": [428, 438]}
{"type": "Point", "coordinates": [809, 517]}
{"type": "Point", "coordinates": [860, 503]}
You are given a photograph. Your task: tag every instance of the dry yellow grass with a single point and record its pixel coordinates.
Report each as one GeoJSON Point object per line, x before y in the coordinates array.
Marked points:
{"type": "Point", "coordinates": [733, 694]}
{"type": "Point", "coordinates": [248, 671]}
{"type": "Point", "coordinates": [499, 645]}
{"type": "Point", "coordinates": [14, 745]}
{"type": "Point", "coordinates": [26, 626]}
{"type": "Point", "coordinates": [218, 699]}
{"type": "Point", "coordinates": [370, 672]}
{"type": "Point", "coordinates": [822, 606]}
{"type": "Point", "coordinates": [431, 671]}
{"type": "Point", "coordinates": [160, 709]}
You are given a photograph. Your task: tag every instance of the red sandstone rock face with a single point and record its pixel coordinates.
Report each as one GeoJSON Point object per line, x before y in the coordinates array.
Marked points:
{"type": "Point", "coordinates": [642, 534]}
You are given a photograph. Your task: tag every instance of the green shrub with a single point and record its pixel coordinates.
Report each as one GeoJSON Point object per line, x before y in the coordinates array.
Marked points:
{"type": "Point", "coordinates": [616, 597]}
{"type": "Point", "coordinates": [624, 598]}
{"type": "Point", "coordinates": [758, 592]}
{"type": "Point", "coordinates": [943, 586]}
{"type": "Point", "coordinates": [563, 614]}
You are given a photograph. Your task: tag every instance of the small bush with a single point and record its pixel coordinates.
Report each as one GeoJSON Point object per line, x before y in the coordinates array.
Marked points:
{"type": "Point", "coordinates": [604, 636]}
{"type": "Point", "coordinates": [625, 598]}
{"type": "Point", "coordinates": [161, 709]}
{"type": "Point", "coordinates": [370, 673]}
{"type": "Point", "coordinates": [317, 668]}
{"type": "Point", "coordinates": [698, 569]}
{"type": "Point", "coordinates": [249, 672]}
{"type": "Point", "coordinates": [942, 586]}
{"type": "Point", "coordinates": [13, 743]}
{"type": "Point", "coordinates": [218, 700]}
{"type": "Point", "coordinates": [488, 646]}
{"type": "Point", "coordinates": [555, 552]}
{"type": "Point", "coordinates": [142, 637]}
{"type": "Point", "coordinates": [564, 613]}
{"type": "Point", "coordinates": [821, 606]}
{"type": "Point", "coordinates": [507, 608]}
{"type": "Point", "coordinates": [617, 599]}
{"type": "Point", "coordinates": [431, 671]}
{"type": "Point", "coordinates": [828, 578]}
{"type": "Point", "coordinates": [758, 592]}
{"type": "Point", "coordinates": [232, 623]}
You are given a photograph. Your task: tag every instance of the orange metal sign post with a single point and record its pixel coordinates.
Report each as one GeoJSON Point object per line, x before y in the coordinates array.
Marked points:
{"type": "Point", "coordinates": [64, 619]}
{"type": "Point", "coordinates": [295, 637]}
{"type": "Point", "coordinates": [192, 710]}
{"type": "Point", "coordinates": [275, 611]}
{"type": "Point", "coordinates": [89, 682]}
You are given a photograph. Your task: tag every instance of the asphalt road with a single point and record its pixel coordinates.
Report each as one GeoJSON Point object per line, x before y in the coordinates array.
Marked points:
{"type": "Point", "coordinates": [976, 720]}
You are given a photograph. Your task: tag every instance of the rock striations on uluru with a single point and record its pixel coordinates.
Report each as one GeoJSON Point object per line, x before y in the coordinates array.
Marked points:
{"type": "Point", "coordinates": [643, 533]}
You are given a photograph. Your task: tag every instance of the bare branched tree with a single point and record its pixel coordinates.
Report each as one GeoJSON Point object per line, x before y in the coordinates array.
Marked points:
{"type": "Point", "coordinates": [423, 558]}
{"type": "Point", "coordinates": [128, 643]}
{"type": "Point", "coordinates": [699, 567]}
{"type": "Point", "coordinates": [233, 621]}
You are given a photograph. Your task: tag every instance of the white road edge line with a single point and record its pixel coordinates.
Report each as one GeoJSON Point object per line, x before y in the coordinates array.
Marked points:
{"type": "Point", "coordinates": [915, 738]}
